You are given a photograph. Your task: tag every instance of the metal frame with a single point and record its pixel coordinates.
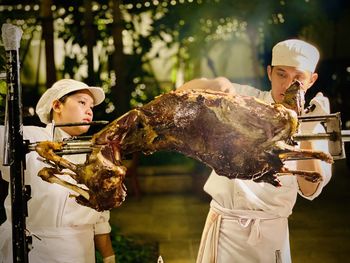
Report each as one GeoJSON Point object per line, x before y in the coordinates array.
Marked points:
{"type": "Point", "coordinates": [15, 149]}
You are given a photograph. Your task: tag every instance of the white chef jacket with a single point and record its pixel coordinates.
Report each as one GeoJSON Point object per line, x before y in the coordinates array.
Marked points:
{"type": "Point", "coordinates": [66, 229]}
{"type": "Point", "coordinates": [248, 221]}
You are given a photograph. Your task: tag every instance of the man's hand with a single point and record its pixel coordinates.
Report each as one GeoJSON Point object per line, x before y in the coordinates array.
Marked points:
{"type": "Point", "coordinates": [319, 105]}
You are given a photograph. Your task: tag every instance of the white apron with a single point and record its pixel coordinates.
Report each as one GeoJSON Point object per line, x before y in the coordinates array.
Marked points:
{"type": "Point", "coordinates": [56, 245]}
{"type": "Point", "coordinates": [259, 237]}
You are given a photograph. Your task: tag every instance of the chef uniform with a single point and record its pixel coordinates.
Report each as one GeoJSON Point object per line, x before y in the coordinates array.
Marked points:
{"type": "Point", "coordinates": [248, 221]}
{"type": "Point", "coordinates": [62, 230]}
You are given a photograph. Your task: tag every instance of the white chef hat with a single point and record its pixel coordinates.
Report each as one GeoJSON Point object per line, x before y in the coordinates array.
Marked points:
{"type": "Point", "coordinates": [295, 53]}
{"type": "Point", "coordinates": [58, 90]}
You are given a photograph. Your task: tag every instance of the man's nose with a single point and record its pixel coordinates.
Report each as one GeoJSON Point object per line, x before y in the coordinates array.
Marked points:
{"type": "Point", "coordinates": [289, 83]}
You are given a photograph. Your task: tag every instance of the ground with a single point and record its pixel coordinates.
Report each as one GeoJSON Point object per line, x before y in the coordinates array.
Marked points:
{"type": "Point", "coordinates": [319, 230]}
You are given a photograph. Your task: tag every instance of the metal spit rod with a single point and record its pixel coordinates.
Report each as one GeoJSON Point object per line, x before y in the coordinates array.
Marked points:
{"type": "Point", "coordinates": [82, 144]}
{"type": "Point", "coordinates": [345, 135]}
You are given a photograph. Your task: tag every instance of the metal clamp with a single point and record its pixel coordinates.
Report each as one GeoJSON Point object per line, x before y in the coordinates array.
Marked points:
{"type": "Point", "coordinates": [333, 133]}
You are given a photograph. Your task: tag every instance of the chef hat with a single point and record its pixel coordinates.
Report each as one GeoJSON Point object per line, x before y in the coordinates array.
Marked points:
{"type": "Point", "coordinates": [295, 53]}
{"type": "Point", "coordinates": [58, 90]}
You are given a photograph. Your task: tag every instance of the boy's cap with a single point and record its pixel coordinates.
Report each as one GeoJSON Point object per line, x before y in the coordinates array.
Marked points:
{"type": "Point", "coordinates": [58, 90]}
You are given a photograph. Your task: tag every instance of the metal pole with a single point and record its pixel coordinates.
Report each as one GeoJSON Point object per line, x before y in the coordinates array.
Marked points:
{"type": "Point", "coordinates": [14, 145]}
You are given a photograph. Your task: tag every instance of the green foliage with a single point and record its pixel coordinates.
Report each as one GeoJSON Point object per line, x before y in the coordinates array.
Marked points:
{"type": "Point", "coordinates": [189, 27]}
{"type": "Point", "coordinates": [3, 91]}
{"type": "Point", "coordinates": [131, 250]}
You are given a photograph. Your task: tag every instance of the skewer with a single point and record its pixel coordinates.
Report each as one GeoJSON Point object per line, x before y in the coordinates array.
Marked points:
{"type": "Point", "coordinates": [345, 136]}
{"type": "Point", "coordinates": [81, 123]}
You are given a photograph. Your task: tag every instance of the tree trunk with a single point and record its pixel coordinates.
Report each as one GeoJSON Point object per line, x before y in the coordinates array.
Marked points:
{"type": "Point", "coordinates": [47, 36]}
{"type": "Point", "coordinates": [89, 36]}
{"type": "Point", "coordinates": [120, 92]}
{"type": "Point", "coordinates": [253, 35]}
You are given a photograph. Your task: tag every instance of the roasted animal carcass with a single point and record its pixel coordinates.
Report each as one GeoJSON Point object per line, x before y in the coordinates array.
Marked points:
{"type": "Point", "coordinates": [238, 136]}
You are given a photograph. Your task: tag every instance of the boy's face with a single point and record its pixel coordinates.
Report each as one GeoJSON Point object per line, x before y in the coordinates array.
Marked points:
{"type": "Point", "coordinates": [282, 77]}
{"type": "Point", "coordinates": [76, 108]}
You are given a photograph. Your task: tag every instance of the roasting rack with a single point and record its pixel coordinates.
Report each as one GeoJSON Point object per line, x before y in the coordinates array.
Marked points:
{"type": "Point", "coordinates": [331, 122]}
{"type": "Point", "coordinates": [333, 133]}
{"type": "Point", "coordinates": [75, 144]}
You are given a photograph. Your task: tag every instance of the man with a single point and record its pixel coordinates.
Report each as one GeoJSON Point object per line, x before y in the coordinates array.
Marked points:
{"type": "Point", "coordinates": [248, 221]}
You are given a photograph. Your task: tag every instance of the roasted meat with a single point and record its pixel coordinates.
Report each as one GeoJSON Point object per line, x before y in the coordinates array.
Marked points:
{"type": "Point", "coordinates": [239, 137]}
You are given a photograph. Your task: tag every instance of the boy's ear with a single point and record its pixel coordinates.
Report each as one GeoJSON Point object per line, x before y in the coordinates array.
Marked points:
{"type": "Point", "coordinates": [56, 106]}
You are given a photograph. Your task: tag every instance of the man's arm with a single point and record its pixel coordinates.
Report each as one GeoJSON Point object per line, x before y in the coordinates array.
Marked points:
{"type": "Point", "coordinates": [306, 187]}
{"type": "Point", "coordinates": [104, 246]}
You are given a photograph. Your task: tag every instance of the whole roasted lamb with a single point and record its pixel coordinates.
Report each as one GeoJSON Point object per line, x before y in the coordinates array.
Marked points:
{"type": "Point", "coordinates": [240, 137]}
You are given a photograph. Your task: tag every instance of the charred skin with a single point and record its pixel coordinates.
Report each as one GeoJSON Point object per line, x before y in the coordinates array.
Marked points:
{"type": "Point", "coordinates": [231, 134]}
{"type": "Point", "coordinates": [239, 137]}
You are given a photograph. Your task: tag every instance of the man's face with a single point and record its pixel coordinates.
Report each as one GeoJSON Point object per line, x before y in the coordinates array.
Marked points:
{"type": "Point", "coordinates": [282, 77]}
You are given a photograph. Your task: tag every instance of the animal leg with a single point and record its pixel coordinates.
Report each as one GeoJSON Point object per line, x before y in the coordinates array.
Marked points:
{"type": "Point", "coordinates": [46, 150]}
{"type": "Point", "coordinates": [311, 176]}
{"type": "Point", "coordinates": [288, 152]}
{"type": "Point", "coordinates": [48, 175]}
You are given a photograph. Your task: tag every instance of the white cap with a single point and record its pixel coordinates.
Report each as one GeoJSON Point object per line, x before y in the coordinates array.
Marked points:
{"type": "Point", "coordinates": [295, 53]}
{"type": "Point", "coordinates": [58, 90]}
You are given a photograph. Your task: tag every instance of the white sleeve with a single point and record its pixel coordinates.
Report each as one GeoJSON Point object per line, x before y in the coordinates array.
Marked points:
{"type": "Point", "coordinates": [102, 226]}
{"type": "Point", "coordinates": [326, 168]}
{"type": "Point", "coordinates": [246, 90]}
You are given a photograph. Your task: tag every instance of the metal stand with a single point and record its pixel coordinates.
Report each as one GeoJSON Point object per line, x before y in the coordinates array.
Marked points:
{"type": "Point", "coordinates": [15, 150]}
{"type": "Point", "coordinates": [333, 133]}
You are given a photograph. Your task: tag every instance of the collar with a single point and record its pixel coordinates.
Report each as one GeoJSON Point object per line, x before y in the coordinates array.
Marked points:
{"type": "Point", "coordinates": [269, 98]}
{"type": "Point", "coordinates": [57, 134]}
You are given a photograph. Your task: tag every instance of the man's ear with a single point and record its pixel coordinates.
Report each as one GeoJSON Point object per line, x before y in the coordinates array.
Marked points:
{"type": "Point", "coordinates": [269, 71]}
{"type": "Point", "coordinates": [314, 77]}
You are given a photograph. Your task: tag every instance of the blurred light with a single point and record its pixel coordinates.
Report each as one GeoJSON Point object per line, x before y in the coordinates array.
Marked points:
{"type": "Point", "coordinates": [348, 69]}
{"type": "Point", "coordinates": [110, 108]}
{"type": "Point", "coordinates": [95, 7]}
{"type": "Point", "coordinates": [334, 76]}
{"type": "Point", "coordinates": [31, 111]}
{"type": "Point", "coordinates": [280, 17]}
{"type": "Point", "coordinates": [347, 124]}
